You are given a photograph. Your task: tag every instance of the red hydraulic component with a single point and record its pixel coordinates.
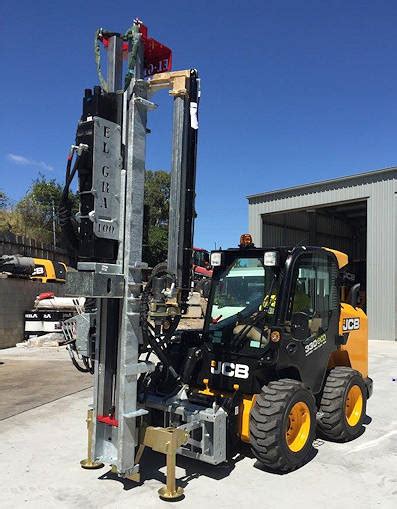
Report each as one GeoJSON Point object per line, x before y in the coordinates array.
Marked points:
{"type": "Point", "coordinates": [46, 295]}
{"type": "Point", "coordinates": [106, 419]}
{"type": "Point", "coordinates": [158, 58]}
{"type": "Point", "coordinates": [201, 271]}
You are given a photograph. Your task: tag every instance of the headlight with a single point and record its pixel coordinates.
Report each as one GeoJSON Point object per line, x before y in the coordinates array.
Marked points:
{"type": "Point", "coordinates": [271, 259]}
{"type": "Point", "coordinates": [216, 259]}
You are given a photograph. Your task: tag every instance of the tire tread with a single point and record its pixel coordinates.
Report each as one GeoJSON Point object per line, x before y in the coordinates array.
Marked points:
{"type": "Point", "coordinates": [266, 422]}
{"type": "Point", "coordinates": [332, 424]}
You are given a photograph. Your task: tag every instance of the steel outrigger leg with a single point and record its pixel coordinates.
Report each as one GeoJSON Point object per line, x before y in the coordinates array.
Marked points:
{"type": "Point", "coordinates": [89, 463]}
{"type": "Point", "coordinates": [167, 441]}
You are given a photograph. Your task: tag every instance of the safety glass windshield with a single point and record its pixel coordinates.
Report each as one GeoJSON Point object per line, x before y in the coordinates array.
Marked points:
{"type": "Point", "coordinates": [245, 288]}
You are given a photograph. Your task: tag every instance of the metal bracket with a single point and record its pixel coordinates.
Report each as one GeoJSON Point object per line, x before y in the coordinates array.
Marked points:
{"type": "Point", "coordinates": [137, 413]}
{"type": "Point", "coordinates": [77, 328]}
{"type": "Point", "coordinates": [144, 102]}
{"type": "Point", "coordinates": [141, 367]}
{"type": "Point", "coordinates": [91, 284]}
{"type": "Point", "coordinates": [177, 81]}
{"type": "Point", "coordinates": [100, 268]}
{"type": "Point", "coordinates": [167, 441]}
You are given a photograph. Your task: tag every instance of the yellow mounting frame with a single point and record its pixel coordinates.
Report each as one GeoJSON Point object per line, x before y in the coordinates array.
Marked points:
{"type": "Point", "coordinates": [177, 81]}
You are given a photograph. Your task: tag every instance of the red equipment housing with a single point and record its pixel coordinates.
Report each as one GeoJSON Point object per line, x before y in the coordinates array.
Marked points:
{"type": "Point", "coordinates": [158, 58]}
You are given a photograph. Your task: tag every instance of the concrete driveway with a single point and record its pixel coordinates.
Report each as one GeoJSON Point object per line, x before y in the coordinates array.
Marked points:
{"type": "Point", "coordinates": [41, 449]}
{"type": "Point", "coordinates": [32, 377]}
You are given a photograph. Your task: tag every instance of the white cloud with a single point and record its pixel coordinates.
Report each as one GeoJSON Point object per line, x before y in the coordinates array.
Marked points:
{"type": "Point", "coordinates": [24, 161]}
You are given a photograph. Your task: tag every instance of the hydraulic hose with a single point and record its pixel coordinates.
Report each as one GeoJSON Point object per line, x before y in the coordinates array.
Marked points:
{"type": "Point", "coordinates": [75, 363]}
{"type": "Point", "coordinates": [148, 333]}
{"type": "Point", "coordinates": [65, 206]}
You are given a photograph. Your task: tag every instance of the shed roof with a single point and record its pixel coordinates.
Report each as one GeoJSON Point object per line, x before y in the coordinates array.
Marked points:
{"type": "Point", "coordinates": [370, 176]}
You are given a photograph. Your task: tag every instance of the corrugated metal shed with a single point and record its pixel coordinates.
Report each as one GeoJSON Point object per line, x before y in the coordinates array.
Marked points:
{"type": "Point", "coordinates": [282, 217]}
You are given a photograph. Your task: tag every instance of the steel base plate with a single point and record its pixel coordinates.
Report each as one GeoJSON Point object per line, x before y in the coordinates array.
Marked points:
{"type": "Point", "coordinates": [91, 465]}
{"type": "Point", "coordinates": [170, 496]}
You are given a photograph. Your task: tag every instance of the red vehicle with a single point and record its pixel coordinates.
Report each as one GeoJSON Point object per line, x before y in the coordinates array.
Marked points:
{"type": "Point", "coordinates": [201, 263]}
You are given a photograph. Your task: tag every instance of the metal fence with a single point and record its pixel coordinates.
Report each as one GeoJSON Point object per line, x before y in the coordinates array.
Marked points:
{"type": "Point", "coordinates": [19, 244]}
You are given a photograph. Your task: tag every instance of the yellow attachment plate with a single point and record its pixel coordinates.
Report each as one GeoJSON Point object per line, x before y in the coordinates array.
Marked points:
{"type": "Point", "coordinates": [165, 440]}
{"type": "Point", "coordinates": [298, 426]}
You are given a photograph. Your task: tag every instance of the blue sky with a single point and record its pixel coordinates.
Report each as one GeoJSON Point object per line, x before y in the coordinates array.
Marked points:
{"type": "Point", "coordinates": [292, 92]}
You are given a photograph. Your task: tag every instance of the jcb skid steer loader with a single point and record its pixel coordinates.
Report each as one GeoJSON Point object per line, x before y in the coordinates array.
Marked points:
{"type": "Point", "coordinates": [279, 359]}
{"type": "Point", "coordinates": [279, 355]}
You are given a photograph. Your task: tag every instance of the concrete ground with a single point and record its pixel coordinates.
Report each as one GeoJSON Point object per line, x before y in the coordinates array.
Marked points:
{"type": "Point", "coordinates": [41, 448]}
{"type": "Point", "coordinates": [33, 377]}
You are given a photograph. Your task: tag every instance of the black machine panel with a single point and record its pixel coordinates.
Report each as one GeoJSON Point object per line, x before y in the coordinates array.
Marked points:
{"type": "Point", "coordinates": [107, 106]}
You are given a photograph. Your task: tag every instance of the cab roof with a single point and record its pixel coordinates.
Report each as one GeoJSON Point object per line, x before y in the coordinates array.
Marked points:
{"type": "Point", "coordinates": [342, 258]}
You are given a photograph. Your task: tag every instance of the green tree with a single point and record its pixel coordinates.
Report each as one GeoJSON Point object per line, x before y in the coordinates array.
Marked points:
{"type": "Point", "coordinates": [7, 217]}
{"type": "Point", "coordinates": [36, 209]}
{"type": "Point", "coordinates": [3, 200]}
{"type": "Point", "coordinates": [32, 215]}
{"type": "Point", "coordinates": [155, 225]}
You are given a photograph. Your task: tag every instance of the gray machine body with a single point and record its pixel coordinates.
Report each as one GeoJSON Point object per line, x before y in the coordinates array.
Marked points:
{"type": "Point", "coordinates": [206, 425]}
{"type": "Point", "coordinates": [106, 179]}
{"type": "Point", "coordinates": [118, 287]}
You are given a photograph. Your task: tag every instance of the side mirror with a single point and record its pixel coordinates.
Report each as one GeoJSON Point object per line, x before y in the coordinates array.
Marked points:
{"type": "Point", "coordinates": [300, 326]}
{"type": "Point", "coordinates": [354, 295]}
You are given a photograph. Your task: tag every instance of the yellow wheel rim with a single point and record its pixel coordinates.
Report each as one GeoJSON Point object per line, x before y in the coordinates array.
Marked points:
{"type": "Point", "coordinates": [354, 405]}
{"type": "Point", "coordinates": [298, 426]}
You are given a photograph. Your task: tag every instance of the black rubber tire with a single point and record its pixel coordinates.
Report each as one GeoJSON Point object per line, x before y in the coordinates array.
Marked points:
{"type": "Point", "coordinates": [269, 423]}
{"type": "Point", "coordinates": [332, 422]}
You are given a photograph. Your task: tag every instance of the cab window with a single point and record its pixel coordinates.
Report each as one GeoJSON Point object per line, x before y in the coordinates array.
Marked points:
{"type": "Point", "coordinates": [314, 290]}
{"type": "Point", "coordinates": [244, 288]}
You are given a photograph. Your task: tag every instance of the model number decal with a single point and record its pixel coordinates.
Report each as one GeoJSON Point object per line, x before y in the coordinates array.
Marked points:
{"type": "Point", "coordinates": [315, 344]}
{"type": "Point", "coordinates": [230, 369]}
{"type": "Point", "coordinates": [349, 324]}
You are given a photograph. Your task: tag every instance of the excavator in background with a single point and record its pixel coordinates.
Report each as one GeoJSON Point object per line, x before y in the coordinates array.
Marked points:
{"type": "Point", "coordinates": [48, 271]}
{"type": "Point", "coordinates": [280, 357]}
{"type": "Point", "coordinates": [201, 263]}
{"type": "Point", "coordinates": [39, 269]}
{"type": "Point", "coordinates": [202, 271]}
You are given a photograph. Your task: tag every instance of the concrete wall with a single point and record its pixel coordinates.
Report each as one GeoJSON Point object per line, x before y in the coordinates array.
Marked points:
{"type": "Point", "coordinates": [17, 296]}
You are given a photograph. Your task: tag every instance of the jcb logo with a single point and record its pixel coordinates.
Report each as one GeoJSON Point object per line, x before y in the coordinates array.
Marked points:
{"type": "Point", "coordinates": [230, 369]}
{"type": "Point", "coordinates": [350, 324]}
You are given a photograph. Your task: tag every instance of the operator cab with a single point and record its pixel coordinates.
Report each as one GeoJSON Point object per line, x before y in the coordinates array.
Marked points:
{"type": "Point", "coordinates": [244, 292]}
{"type": "Point", "coordinates": [271, 307]}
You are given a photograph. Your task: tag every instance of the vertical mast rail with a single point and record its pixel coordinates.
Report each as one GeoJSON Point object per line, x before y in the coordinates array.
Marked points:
{"type": "Point", "coordinates": [190, 183]}
{"type": "Point", "coordinates": [108, 310]}
{"type": "Point", "coordinates": [115, 64]}
{"type": "Point", "coordinates": [183, 177]}
{"type": "Point", "coordinates": [130, 332]}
